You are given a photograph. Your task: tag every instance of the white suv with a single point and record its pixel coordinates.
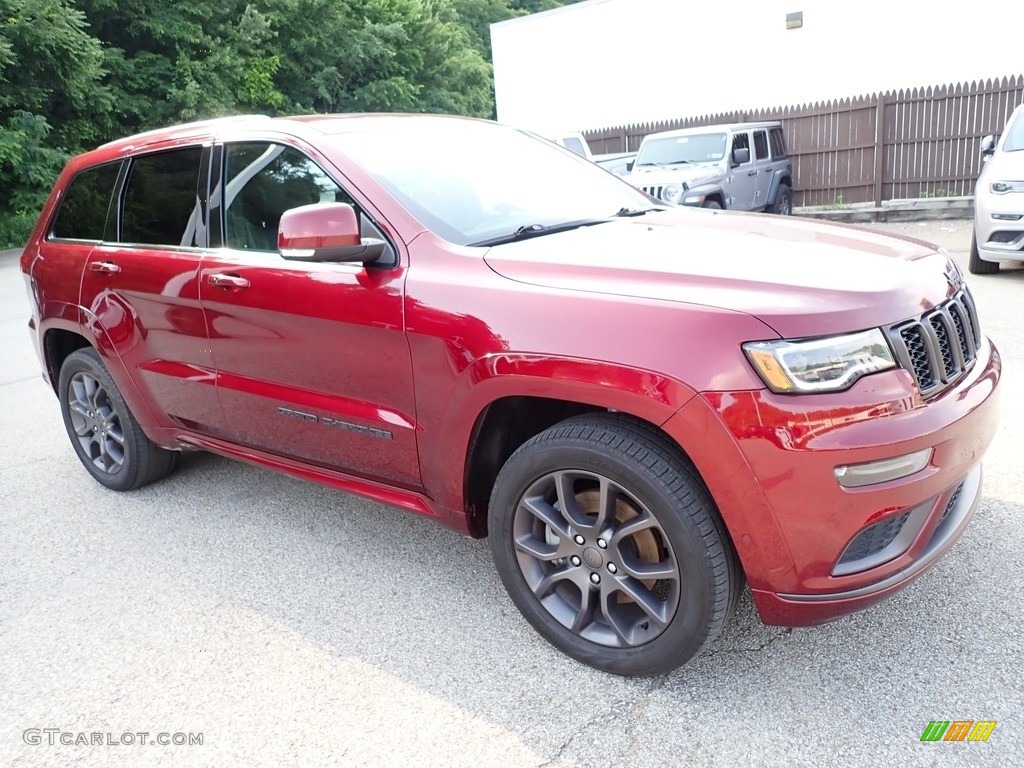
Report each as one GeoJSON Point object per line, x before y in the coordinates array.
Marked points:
{"type": "Point", "coordinates": [999, 200]}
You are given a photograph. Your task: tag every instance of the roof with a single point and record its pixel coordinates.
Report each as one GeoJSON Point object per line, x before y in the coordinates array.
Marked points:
{"type": "Point", "coordinates": [713, 128]}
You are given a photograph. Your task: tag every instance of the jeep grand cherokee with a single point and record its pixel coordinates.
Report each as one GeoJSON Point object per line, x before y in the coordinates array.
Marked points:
{"type": "Point", "coordinates": [642, 407]}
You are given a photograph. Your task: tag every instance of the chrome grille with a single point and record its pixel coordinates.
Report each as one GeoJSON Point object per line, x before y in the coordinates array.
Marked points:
{"type": "Point", "coordinates": [941, 345]}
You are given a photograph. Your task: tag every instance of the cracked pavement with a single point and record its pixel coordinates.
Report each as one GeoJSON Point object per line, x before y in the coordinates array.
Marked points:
{"type": "Point", "coordinates": [295, 626]}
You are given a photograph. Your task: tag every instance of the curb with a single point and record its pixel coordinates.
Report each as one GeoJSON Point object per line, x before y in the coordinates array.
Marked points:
{"type": "Point", "coordinates": [918, 209]}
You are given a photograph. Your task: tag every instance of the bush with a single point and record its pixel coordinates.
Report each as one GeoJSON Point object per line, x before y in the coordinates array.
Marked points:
{"type": "Point", "coordinates": [15, 229]}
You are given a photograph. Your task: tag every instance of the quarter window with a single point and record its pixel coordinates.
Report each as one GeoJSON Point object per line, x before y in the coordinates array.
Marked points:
{"type": "Point", "coordinates": [261, 182]}
{"type": "Point", "coordinates": [83, 214]}
{"type": "Point", "coordinates": [778, 142]}
{"type": "Point", "coordinates": [161, 202]}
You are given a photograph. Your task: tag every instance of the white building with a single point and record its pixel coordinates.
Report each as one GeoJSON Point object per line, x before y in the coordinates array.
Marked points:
{"type": "Point", "coordinates": [603, 63]}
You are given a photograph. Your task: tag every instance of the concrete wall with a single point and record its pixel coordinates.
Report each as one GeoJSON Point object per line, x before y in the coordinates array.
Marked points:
{"type": "Point", "coordinates": [610, 62]}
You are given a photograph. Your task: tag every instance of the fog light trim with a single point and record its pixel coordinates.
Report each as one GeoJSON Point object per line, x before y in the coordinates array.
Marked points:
{"type": "Point", "coordinates": [874, 472]}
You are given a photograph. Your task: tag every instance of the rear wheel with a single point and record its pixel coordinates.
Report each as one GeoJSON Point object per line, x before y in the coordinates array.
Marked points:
{"type": "Point", "coordinates": [783, 204]}
{"type": "Point", "coordinates": [610, 546]}
{"type": "Point", "coordinates": [104, 433]}
{"type": "Point", "coordinates": [977, 265]}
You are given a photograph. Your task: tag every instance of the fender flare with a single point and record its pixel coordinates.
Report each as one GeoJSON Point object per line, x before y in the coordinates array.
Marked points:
{"type": "Point", "coordinates": [647, 395]}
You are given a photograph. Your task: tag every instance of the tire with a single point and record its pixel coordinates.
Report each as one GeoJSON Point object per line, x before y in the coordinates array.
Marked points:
{"type": "Point", "coordinates": [104, 433]}
{"type": "Point", "coordinates": [977, 265]}
{"type": "Point", "coordinates": [713, 204]}
{"type": "Point", "coordinates": [656, 576]}
{"type": "Point", "coordinates": [783, 204]}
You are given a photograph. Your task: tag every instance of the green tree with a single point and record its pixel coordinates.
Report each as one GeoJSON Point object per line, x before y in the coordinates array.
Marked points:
{"type": "Point", "coordinates": [51, 99]}
{"type": "Point", "coordinates": [536, 6]}
{"type": "Point", "coordinates": [169, 60]}
{"type": "Point", "coordinates": [478, 15]}
{"type": "Point", "coordinates": [73, 74]}
{"type": "Point", "coordinates": [379, 55]}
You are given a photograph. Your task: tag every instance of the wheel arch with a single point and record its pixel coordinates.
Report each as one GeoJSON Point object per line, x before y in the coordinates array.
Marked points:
{"type": "Point", "coordinates": [58, 343]}
{"type": "Point", "coordinates": [510, 403]}
{"type": "Point", "coordinates": [60, 336]}
{"type": "Point", "coordinates": [779, 179]}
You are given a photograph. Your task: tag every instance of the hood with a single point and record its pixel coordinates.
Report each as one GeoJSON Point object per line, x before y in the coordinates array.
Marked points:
{"type": "Point", "coordinates": [691, 173]}
{"type": "Point", "coordinates": [800, 277]}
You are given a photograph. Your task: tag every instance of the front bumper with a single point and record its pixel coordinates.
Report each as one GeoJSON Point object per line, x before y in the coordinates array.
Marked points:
{"type": "Point", "coordinates": [769, 462]}
{"type": "Point", "coordinates": [794, 610]}
{"type": "Point", "coordinates": [999, 226]}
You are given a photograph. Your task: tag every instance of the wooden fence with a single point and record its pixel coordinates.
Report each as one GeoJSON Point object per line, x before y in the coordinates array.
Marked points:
{"type": "Point", "coordinates": [904, 144]}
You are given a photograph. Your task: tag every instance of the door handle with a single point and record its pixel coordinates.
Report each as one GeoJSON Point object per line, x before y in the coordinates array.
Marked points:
{"type": "Point", "coordinates": [751, 173]}
{"type": "Point", "coordinates": [228, 281]}
{"type": "Point", "coordinates": [105, 267]}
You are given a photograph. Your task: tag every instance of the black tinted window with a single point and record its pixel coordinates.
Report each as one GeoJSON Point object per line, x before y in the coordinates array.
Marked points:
{"type": "Point", "coordinates": [262, 181]}
{"type": "Point", "coordinates": [760, 145]}
{"type": "Point", "coordinates": [161, 203]}
{"type": "Point", "coordinates": [83, 214]}
{"type": "Point", "coordinates": [778, 143]}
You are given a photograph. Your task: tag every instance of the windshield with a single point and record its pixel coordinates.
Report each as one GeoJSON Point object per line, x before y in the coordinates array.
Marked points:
{"type": "Point", "coordinates": [1014, 141]}
{"type": "Point", "coordinates": [697, 148]}
{"type": "Point", "coordinates": [472, 181]}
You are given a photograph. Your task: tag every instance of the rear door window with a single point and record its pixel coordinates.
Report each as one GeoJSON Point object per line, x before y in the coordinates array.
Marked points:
{"type": "Point", "coordinates": [83, 214]}
{"type": "Point", "coordinates": [161, 203]}
{"type": "Point", "coordinates": [760, 145]}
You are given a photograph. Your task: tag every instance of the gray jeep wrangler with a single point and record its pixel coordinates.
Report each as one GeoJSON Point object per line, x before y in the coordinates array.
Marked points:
{"type": "Point", "coordinates": [743, 166]}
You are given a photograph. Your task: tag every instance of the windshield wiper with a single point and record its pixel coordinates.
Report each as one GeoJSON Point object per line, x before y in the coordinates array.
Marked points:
{"type": "Point", "coordinates": [536, 230]}
{"type": "Point", "coordinates": [624, 212]}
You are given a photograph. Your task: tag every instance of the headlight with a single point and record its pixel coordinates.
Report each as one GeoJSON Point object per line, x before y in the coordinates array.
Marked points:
{"type": "Point", "coordinates": [1002, 187]}
{"type": "Point", "coordinates": [671, 193]}
{"type": "Point", "coordinates": [820, 365]}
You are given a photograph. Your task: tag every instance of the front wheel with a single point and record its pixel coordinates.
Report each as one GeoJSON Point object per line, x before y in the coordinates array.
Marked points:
{"type": "Point", "coordinates": [713, 204]}
{"type": "Point", "coordinates": [977, 265]}
{"type": "Point", "coordinates": [608, 543]}
{"type": "Point", "coordinates": [104, 433]}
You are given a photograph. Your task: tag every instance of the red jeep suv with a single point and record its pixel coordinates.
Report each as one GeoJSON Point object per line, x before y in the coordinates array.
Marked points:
{"type": "Point", "coordinates": [642, 406]}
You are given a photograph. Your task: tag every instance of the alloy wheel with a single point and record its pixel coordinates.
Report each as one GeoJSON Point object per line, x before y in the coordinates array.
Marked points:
{"type": "Point", "coordinates": [96, 424]}
{"type": "Point", "coordinates": [596, 558]}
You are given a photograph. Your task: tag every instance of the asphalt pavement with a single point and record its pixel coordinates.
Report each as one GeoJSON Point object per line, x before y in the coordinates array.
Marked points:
{"type": "Point", "coordinates": [286, 624]}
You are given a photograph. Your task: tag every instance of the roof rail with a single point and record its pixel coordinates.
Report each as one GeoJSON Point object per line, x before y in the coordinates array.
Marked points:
{"type": "Point", "coordinates": [185, 127]}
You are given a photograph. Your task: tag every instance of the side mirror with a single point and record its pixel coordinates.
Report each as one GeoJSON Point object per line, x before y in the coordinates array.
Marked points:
{"type": "Point", "coordinates": [741, 155]}
{"type": "Point", "coordinates": [325, 232]}
{"type": "Point", "coordinates": [988, 145]}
